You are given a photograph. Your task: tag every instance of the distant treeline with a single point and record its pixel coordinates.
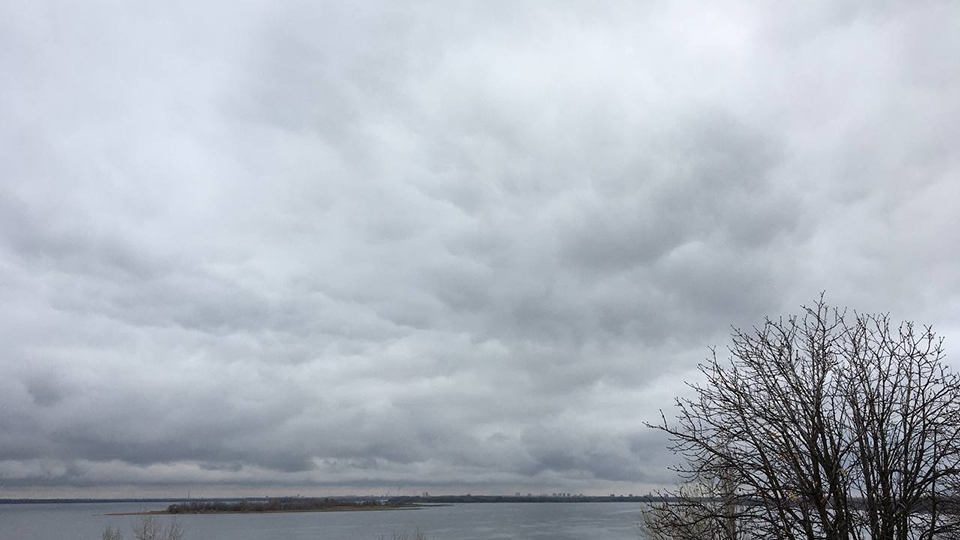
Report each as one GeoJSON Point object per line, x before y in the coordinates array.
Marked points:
{"type": "Point", "coordinates": [450, 499]}
{"type": "Point", "coordinates": [281, 504]}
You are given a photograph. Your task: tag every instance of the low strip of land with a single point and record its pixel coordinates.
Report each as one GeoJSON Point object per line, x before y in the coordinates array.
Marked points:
{"type": "Point", "coordinates": [274, 506]}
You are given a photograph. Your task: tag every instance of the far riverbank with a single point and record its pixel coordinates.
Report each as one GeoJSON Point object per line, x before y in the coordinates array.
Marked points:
{"type": "Point", "coordinates": [279, 505]}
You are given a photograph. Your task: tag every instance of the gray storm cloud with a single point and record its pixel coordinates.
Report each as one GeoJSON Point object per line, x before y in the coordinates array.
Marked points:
{"type": "Point", "coordinates": [448, 246]}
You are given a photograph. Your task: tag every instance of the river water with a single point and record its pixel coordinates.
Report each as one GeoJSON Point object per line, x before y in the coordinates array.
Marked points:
{"type": "Point", "coordinates": [488, 521]}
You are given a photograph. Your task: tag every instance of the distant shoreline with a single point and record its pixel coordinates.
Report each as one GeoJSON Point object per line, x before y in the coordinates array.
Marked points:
{"type": "Point", "coordinates": [401, 500]}
{"type": "Point", "coordinates": [347, 508]}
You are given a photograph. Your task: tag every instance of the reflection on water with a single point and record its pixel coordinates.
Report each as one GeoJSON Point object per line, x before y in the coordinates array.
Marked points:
{"type": "Point", "coordinates": [533, 521]}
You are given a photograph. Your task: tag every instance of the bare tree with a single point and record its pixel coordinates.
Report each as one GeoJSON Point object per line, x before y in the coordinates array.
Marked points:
{"type": "Point", "coordinates": [698, 511]}
{"type": "Point", "coordinates": [173, 530]}
{"type": "Point", "coordinates": [417, 535]}
{"type": "Point", "coordinates": [111, 534]}
{"type": "Point", "coordinates": [824, 426]}
{"type": "Point", "coordinates": [149, 528]}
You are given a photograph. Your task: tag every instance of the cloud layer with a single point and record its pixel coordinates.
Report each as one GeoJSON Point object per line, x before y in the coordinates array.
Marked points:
{"type": "Point", "coordinates": [443, 246]}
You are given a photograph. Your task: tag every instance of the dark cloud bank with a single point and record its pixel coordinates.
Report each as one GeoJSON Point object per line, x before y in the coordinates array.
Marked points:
{"type": "Point", "coordinates": [305, 247]}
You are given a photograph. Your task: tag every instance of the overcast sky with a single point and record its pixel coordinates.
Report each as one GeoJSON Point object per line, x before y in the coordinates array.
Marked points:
{"type": "Point", "coordinates": [339, 247]}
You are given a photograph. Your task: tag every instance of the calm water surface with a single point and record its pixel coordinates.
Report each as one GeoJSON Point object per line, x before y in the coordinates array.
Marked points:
{"type": "Point", "coordinates": [533, 521]}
